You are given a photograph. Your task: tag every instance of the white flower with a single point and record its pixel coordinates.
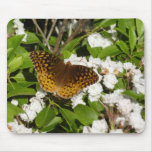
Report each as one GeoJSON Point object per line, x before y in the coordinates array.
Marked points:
{"type": "Point", "coordinates": [112, 98]}
{"type": "Point", "coordinates": [113, 32]}
{"type": "Point", "coordinates": [16, 128]}
{"type": "Point", "coordinates": [111, 66]}
{"type": "Point", "coordinates": [14, 102]}
{"type": "Point", "coordinates": [31, 114]}
{"type": "Point", "coordinates": [136, 107]}
{"type": "Point", "coordinates": [124, 106]}
{"type": "Point", "coordinates": [77, 99]}
{"type": "Point", "coordinates": [98, 126]}
{"type": "Point", "coordinates": [36, 104]}
{"type": "Point", "coordinates": [120, 120]}
{"type": "Point", "coordinates": [95, 91]}
{"type": "Point", "coordinates": [20, 28]}
{"type": "Point", "coordinates": [94, 62]}
{"type": "Point", "coordinates": [138, 83]}
{"type": "Point", "coordinates": [96, 40]}
{"type": "Point", "coordinates": [74, 60]}
{"type": "Point", "coordinates": [40, 93]}
{"type": "Point", "coordinates": [24, 117]}
{"type": "Point", "coordinates": [129, 66]}
{"type": "Point", "coordinates": [110, 80]}
{"type": "Point", "coordinates": [116, 131]}
{"type": "Point", "coordinates": [136, 121]}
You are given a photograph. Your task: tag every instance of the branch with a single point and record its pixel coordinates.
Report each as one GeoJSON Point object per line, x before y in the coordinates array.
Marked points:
{"type": "Point", "coordinates": [45, 26]}
{"type": "Point", "coordinates": [38, 27]}
{"type": "Point", "coordinates": [51, 29]}
{"type": "Point", "coordinates": [81, 24]}
{"type": "Point", "coordinates": [60, 35]}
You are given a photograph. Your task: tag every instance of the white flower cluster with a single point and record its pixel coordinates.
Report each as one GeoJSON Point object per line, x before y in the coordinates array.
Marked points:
{"type": "Point", "coordinates": [98, 126]}
{"type": "Point", "coordinates": [31, 111]}
{"type": "Point", "coordinates": [97, 40]}
{"type": "Point", "coordinates": [130, 110]}
{"type": "Point", "coordinates": [20, 28]}
{"type": "Point", "coordinates": [16, 128]}
{"type": "Point", "coordinates": [137, 77]}
{"type": "Point", "coordinates": [110, 69]}
{"type": "Point", "coordinates": [35, 106]}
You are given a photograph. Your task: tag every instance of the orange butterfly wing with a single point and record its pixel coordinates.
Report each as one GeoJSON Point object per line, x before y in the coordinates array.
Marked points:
{"type": "Point", "coordinates": [77, 77]}
{"type": "Point", "coordinates": [45, 65]}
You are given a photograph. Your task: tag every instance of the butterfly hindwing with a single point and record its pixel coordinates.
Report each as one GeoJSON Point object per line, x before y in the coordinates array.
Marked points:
{"type": "Point", "coordinates": [77, 78]}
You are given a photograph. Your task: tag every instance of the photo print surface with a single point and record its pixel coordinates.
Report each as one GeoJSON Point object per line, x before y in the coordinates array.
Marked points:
{"type": "Point", "coordinates": [75, 76]}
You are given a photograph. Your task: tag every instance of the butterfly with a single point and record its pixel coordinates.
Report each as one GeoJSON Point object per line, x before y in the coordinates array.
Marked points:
{"type": "Point", "coordinates": [64, 80]}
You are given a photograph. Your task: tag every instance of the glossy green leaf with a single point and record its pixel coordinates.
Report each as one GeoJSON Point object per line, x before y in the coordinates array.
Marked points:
{"type": "Point", "coordinates": [14, 41]}
{"type": "Point", "coordinates": [52, 124]}
{"type": "Point", "coordinates": [123, 46]}
{"type": "Point", "coordinates": [15, 64]}
{"type": "Point", "coordinates": [85, 114]}
{"type": "Point", "coordinates": [132, 38]}
{"type": "Point", "coordinates": [31, 38]}
{"type": "Point", "coordinates": [121, 84]}
{"type": "Point", "coordinates": [52, 40]}
{"type": "Point", "coordinates": [140, 27]}
{"type": "Point", "coordinates": [133, 95]}
{"type": "Point", "coordinates": [69, 116]}
{"type": "Point", "coordinates": [97, 106]}
{"type": "Point", "coordinates": [94, 51]}
{"type": "Point", "coordinates": [44, 117]}
{"type": "Point", "coordinates": [12, 111]}
{"type": "Point", "coordinates": [105, 23]}
{"type": "Point", "coordinates": [109, 51]}
{"type": "Point", "coordinates": [15, 89]}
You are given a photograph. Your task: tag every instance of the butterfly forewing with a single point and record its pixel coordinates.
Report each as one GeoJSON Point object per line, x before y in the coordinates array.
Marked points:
{"type": "Point", "coordinates": [45, 65]}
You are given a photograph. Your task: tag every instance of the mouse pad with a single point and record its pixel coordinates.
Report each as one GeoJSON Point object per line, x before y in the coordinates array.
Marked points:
{"type": "Point", "coordinates": [75, 76]}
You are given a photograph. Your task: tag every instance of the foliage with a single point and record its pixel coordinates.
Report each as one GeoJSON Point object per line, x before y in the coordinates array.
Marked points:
{"type": "Point", "coordinates": [21, 76]}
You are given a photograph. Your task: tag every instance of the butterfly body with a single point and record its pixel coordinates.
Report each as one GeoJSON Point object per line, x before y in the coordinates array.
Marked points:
{"type": "Point", "coordinates": [56, 77]}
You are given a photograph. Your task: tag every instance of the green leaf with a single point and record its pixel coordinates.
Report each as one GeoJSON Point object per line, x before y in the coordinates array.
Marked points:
{"type": "Point", "coordinates": [31, 38]}
{"type": "Point", "coordinates": [9, 50]}
{"type": "Point", "coordinates": [14, 41]}
{"type": "Point", "coordinates": [44, 117]}
{"type": "Point", "coordinates": [109, 51]}
{"type": "Point", "coordinates": [97, 106]}
{"type": "Point", "coordinates": [69, 116]}
{"type": "Point", "coordinates": [10, 28]}
{"type": "Point", "coordinates": [121, 84]}
{"type": "Point", "coordinates": [52, 40]}
{"type": "Point", "coordinates": [132, 38]}
{"type": "Point", "coordinates": [52, 124]}
{"type": "Point", "coordinates": [85, 114]}
{"type": "Point", "coordinates": [133, 95]}
{"type": "Point", "coordinates": [21, 100]}
{"type": "Point", "coordinates": [27, 63]}
{"type": "Point", "coordinates": [12, 111]}
{"type": "Point", "coordinates": [123, 46]}
{"type": "Point", "coordinates": [105, 23]}
{"type": "Point", "coordinates": [72, 44]}
{"type": "Point", "coordinates": [125, 24]}
{"type": "Point", "coordinates": [121, 31]}
{"type": "Point", "coordinates": [140, 27]}
{"type": "Point", "coordinates": [94, 51]}
{"type": "Point", "coordinates": [106, 35]}
{"type": "Point", "coordinates": [20, 50]}
{"type": "Point", "coordinates": [66, 54]}
{"type": "Point", "coordinates": [15, 89]}
{"type": "Point", "coordinates": [15, 64]}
